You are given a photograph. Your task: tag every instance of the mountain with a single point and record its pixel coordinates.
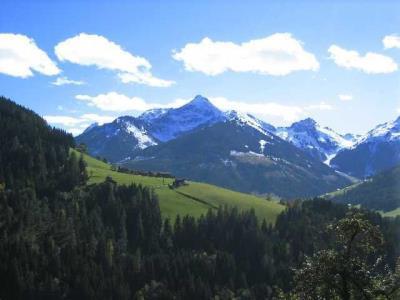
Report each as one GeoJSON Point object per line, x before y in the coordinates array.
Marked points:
{"type": "Point", "coordinates": [249, 120]}
{"type": "Point", "coordinates": [353, 138]}
{"type": "Point", "coordinates": [67, 235]}
{"type": "Point", "coordinates": [91, 126]}
{"type": "Point", "coordinates": [376, 151]}
{"type": "Point", "coordinates": [380, 192]}
{"type": "Point", "coordinates": [117, 140]}
{"type": "Point", "coordinates": [174, 122]}
{"type": "Point", "coordinates": [320, 142]}
{"type": "Point", "coordinates": [241, 157]}
{"type": "Point", "coordinates": [153, 114]}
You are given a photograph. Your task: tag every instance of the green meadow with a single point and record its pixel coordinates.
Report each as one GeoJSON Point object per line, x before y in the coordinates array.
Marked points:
{"type": "Point", "coordinates": [192, 199]}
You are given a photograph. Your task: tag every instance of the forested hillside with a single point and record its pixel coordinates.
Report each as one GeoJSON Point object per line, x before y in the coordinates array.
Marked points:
{"type": "Point", "coordinates": [32, 154]}
{"type": "Point", "coordinates": [380, 192]}
{"type": "Point", "coordinates": [63, 239]}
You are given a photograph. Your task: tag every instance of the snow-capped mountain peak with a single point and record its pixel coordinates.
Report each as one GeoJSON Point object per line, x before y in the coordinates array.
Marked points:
{"type": "Point", "coordinates": [164, 124]}
{"type": "Point", "coordinates": [197, 113]}
{"type": "Point", "coordinates": [389, 131]}
{"type": "Point", "coordinates": [152, 114]}
{"type": "Point", "coordinates": [249, 120]}
{"type": "Point", "coordinates": [320, 142]}
{"type": "Point", "coordinates": [377, 150]}
{"type": "Point", "coordinates": [200, 105]}
{"type": "Point", "coordinates": [304, 124]}
{"type": "Point", "coordinates": [200, 100]}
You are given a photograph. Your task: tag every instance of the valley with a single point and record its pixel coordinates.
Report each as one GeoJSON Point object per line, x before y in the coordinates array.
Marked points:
{"type": "Point", "coordinates": [199, 150]}
{"type": "Point", "coordinates": [237, 151]}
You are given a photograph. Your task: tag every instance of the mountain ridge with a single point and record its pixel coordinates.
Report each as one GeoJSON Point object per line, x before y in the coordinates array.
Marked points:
{"type": "Point", "coordinates": [376, 151]}
{"type": "Point", "coordinates": [320, 142]}
{"type": "Point", "coordinates": [164, 124]}
{"type": "Point", "coordinates": [241, 158]}
{"type": "Point", "coordinates": [121, 139]}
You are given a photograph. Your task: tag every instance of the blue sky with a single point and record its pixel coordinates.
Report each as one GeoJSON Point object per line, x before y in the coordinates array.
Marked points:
{"type": "Point", "coordinates": [281, 61]}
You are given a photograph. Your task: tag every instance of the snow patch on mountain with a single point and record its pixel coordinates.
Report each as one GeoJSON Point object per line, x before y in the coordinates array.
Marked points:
{"type": "Point", "coordinates": [174, 122]}
{"type": "Point", "coordinates": [153, 114]}
{"type": "Point", "coordinates": [141, 135]}
{"type": "Point", "coordinates": [262, 145]}
{"type": "Point", "coordinates": [143, 139]}
{"type": "Point", "coordinates": [244, 119]}
{"type": "Point", "coordinates": [386, 132]}
{"type": "Point", "coordinates": [249, 153]}
{"type": "Point", "coordinates": [320, 142]}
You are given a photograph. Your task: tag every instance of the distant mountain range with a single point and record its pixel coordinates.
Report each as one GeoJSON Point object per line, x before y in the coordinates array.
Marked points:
{"type": "Point", "coordinates": [118, 140]}
{"type": "Point", "coordinates": [161, 125]}
{"type": "Point", "coordinates": [237, 150]}
{"type": "Point", "coordinates": [372, 153]}
{"type": "Point", "coordinates": [235, 155]}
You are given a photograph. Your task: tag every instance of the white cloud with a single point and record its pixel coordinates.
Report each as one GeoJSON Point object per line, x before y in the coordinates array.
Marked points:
{"type": "Point", "coordinates": [370, 63]}
{"type": "Point", "coordinates": [95, 50]}
{"type": "Point", "coordinates": [113, 101]}
{"type": "Point", "coordinates": [64, 80]}
{"type": "Point", "coordinates": [63, 120]}
{"type": "Point", "coordinates": [391, 41]}
{"type": "Point", "coordinates": [20, 56]}
{"type": "Point", "coordinates": [320, 106]}
{"type": "Point", "coordinates": [97, 118]}
{"type": "Point", "coordinates": [144, 78]}
{"type": "Point", "coordinates": [82, 120]}
{"type": "Point", "coordinates": [278, 54]}
{"type": "Point", "coordinates": [76, 125]}
{"type": "Point", "coordinates": [266, 110]}
{"type": "Point", "coordinates": [345, 97]}
{"type": "Point", "coordinates": [262, 109]}
{"type": "Point", "coordinates": [75, 131]}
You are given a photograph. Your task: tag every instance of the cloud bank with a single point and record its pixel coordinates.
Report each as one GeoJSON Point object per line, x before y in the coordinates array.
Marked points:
{"type": "Point", "coordinates": [20, 57]}
{"type": "Point", "coordinates": [370, 63]}
{"type": "Point", "coordinates": [95, 50]}
{"type": "Point", "coordinates": [345, 97]}
{"type": "Point", "coordinates": [278, 55]}
{"type": "Point", "coordinates": [77, 125]}
{"type": "Point", "coordinates": [115, 102]}
{"type": "Point", "coordinates": [391, 41]}
{"type": "Point", "coordinates": [65, 81]}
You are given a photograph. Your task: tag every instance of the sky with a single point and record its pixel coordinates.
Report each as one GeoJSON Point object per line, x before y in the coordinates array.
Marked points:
{"type": "Point", "coordinates": [79, 62]}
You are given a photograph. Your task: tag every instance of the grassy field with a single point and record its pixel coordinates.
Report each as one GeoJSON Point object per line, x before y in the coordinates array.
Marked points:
{"type": "Point", "coordinates": [193, 199]}
{"type": "Point", "coordinates": [341, 191]}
